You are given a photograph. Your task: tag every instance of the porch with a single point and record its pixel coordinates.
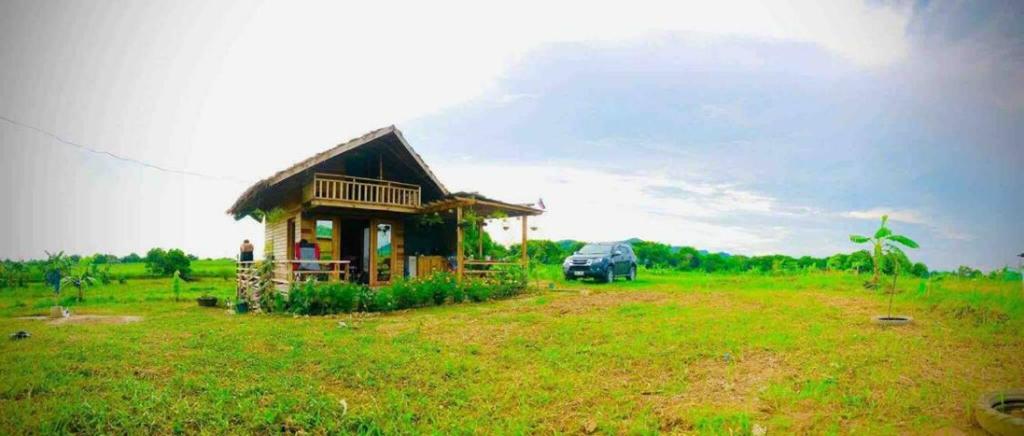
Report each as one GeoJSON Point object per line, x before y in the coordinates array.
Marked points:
{"type": "Point", "coordinates": [376, 247]}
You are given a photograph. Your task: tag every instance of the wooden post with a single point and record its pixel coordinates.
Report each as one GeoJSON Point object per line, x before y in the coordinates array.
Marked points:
{"type": "Point", "coordinates": [460, 266]}
{"type": "Point", "coordinates": [479, 241]}
{"type": "Point", "coordinates": [336, 247]}
{"type": "Point", "coordinates": [526, 260]}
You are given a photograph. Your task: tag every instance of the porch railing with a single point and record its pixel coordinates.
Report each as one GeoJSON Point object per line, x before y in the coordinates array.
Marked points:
{"type": "Point", "coordinates": [485, 267]}
{"type": "Point", "coordinates": [248, 277]}
{"type": "Point", "coordinates": [366, 191]}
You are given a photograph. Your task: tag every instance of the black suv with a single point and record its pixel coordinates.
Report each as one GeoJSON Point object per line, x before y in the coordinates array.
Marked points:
{"type": "Point", "coordinates": [601, 261]}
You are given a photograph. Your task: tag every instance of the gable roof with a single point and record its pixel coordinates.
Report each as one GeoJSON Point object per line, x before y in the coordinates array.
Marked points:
{"type": "Point", "coordinates": [243, 205]}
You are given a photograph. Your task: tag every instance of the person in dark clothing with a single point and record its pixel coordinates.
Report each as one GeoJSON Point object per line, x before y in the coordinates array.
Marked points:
{"type": "Point", "coordinates": [245, 250]}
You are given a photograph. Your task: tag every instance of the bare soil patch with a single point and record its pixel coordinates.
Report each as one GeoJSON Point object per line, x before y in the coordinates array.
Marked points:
{"type": "Point", "coordinates": [86, 319]}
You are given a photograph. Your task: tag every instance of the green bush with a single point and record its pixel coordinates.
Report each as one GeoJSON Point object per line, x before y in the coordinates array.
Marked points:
{"type": "Point", "coordinates": [440, 287]}
{"type": "Point", "coordinates": [404, 293]}
{"type": "Point", "coordinates": [509, 280]}
{"type": "Point", "coordinates": [312, 298]}
{"type": "Point", "coordinates": [383, 300]}
{"type": "Point", "coordinates": [477, 290]}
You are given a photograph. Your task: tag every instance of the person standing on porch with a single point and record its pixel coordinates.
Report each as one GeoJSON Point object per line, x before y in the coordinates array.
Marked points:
{"type": "Point", "coordinates": [245, 251]}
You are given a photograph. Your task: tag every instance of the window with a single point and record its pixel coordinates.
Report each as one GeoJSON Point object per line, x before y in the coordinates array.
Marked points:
{"type": "Point", "coordinates": [384, 253]}
{"type": "Point", "coordinates": [325, 238]}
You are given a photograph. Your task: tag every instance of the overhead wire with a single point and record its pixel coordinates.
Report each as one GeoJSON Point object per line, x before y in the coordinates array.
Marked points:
{"type": "Point", "coordinates": [93, 150]}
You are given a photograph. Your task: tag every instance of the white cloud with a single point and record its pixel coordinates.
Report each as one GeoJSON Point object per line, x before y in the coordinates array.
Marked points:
{"type": "Point", "coordinates": [875, 214]}
{"type": "Point", "coordinates": [909, 216]}
{"type": "Point", "coordinates": [590, 204]}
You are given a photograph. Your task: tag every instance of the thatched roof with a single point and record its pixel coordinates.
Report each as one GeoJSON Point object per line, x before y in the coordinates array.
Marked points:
{"type": "Point", "coordinates": [246, 203]}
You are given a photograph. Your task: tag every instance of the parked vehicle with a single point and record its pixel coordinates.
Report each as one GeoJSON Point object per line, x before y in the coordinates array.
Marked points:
{"type": "Point", "coordinates": [603, 261]}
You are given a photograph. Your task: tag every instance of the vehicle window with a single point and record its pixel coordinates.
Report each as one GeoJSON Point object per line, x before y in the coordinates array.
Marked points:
{"type": "Point", "coordinates": [596, 249]}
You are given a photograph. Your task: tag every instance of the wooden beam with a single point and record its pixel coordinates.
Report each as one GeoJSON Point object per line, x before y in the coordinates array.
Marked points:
{"type": "Point", "coordinates": [460, 264]}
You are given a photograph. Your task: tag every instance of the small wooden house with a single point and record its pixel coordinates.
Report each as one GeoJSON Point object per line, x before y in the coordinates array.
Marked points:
{"type": "Point", "coordinates": [369, 210]}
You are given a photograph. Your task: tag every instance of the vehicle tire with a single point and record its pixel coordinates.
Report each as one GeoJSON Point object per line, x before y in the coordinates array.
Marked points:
{"type": "Point", "coordinates": [632, 273]}
{"type": "Point", "coordinates": [609, 275]}
{"type": "Point", "coordinates": [992, 409]}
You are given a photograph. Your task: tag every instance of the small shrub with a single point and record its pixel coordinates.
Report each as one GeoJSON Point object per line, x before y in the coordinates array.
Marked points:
{"type": "Point", "coordinates": [312, 298]}
{"type": "Point", "coordinates": [477, 290]}
{"type": "Point", "coordinates": [404, 293]}
{"type": "Point", "coordinates": [321, 299]}
{"type": "Point", "coordinates": [509, 281]}
{"type": "Point", "coordinates": [176, 286]}
{"type": "Point", "coordinates": [440, 286]}
{"type": "Point", "coordinates": [458, 294]}
{"type": "Point", "coordinates": [383, 300]}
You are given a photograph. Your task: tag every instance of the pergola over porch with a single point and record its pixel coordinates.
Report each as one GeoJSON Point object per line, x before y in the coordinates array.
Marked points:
{"type": "Point", "coordinates": [460, 202]}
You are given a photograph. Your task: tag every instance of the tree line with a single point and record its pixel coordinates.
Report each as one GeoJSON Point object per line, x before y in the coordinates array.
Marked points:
{"type": "Point", "coordinates": [158, 262]}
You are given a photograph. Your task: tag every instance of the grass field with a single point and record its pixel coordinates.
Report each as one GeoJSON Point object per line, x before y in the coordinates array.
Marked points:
{"type": "Point", "coordinates": [670, 353]}
{"type": "Point", "coordinates": [200, 268]}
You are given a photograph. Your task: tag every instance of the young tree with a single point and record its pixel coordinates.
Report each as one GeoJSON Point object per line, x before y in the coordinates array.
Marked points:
{"type": "Point", "coordinates": [883, 237]}
{"type": "Point", "coordinates": [176, 286]}
{"type": "Point", "coordinates": [80, 280]}
{"type": "Point", "coordinates": [55, 268]}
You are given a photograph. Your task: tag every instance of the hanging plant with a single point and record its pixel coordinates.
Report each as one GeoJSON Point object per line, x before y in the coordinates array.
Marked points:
{"type": "Point", "coordinates": [500, 215]}
{"type": "Point", "coordinates": [430, 220]}
{"type": "Point", "coordinates": [469, 219]}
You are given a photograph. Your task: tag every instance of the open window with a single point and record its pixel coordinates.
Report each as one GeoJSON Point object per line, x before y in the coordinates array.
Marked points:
{"type": "Point", "coordinates": [384, 259]}
{"type": "Point", "coordinates": [325, 238]}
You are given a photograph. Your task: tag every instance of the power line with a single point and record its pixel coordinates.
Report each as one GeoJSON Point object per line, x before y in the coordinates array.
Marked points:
{"type": "Point", "coordinates": [120, 158]}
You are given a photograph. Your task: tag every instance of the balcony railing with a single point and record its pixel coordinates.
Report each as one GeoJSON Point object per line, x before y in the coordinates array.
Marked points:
{"type": "Point", "coordinates": [363, 191]}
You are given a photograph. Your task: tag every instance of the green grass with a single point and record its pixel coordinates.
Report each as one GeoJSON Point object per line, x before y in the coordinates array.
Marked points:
{"type": "Point", "coordinates": [671, 352]}
{"type": "Point", "coordinates": [200, 268]}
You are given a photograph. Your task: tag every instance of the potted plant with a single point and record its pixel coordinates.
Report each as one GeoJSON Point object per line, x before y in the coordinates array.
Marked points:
{"type": "Point", "coordinates": [207, 301]}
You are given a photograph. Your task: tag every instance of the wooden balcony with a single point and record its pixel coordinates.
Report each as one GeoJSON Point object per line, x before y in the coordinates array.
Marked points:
{"type": "Point", "coordinates": [361, 193]}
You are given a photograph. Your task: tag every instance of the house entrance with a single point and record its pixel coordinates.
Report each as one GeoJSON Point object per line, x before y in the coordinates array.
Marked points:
{"type": "Point", "coordinates": [355, 248]}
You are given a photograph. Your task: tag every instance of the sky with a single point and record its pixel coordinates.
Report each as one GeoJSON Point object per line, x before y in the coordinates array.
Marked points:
{"type": "Point", "coordinates": [744, 127]}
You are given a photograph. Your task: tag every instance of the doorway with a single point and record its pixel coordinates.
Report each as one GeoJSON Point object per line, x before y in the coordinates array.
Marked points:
{"type": "Point", "coordinates": [355, 248]}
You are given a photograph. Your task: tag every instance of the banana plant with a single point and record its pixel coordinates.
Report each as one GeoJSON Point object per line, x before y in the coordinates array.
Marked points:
{"type": "Point", "coordinates": [80, 280]}
{"type": "Point", "coordinates": [883, 237]}
{"type": "Point", "coordinates": [57, 266]}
